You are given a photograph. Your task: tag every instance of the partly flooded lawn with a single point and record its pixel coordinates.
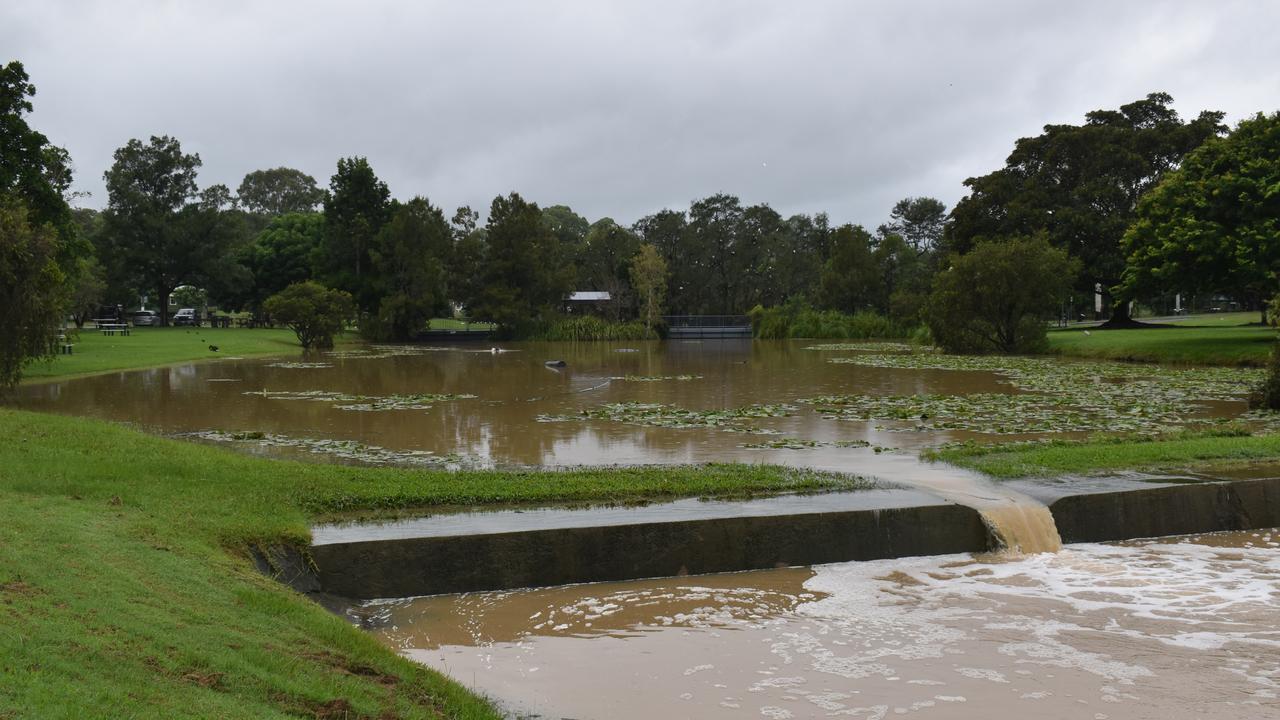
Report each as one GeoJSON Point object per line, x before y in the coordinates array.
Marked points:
{"type": "Point", "coordinates": [836, 406]}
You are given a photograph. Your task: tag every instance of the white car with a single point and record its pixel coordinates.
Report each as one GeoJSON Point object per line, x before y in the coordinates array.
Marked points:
{"type": "Point", "coordinates": [146, 318]}
{"type": "Point", "coordinates": [185, 316]}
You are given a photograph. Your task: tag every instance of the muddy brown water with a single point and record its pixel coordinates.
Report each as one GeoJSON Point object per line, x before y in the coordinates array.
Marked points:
{"type": "Point", "coordinates": [1175, 628]}
{"type": "Point", "coordinates": [1136, 630]}
{"type": "Point", "coordinates": [513, 388]}
{"type": "Point", "coordinates": [515, 392]}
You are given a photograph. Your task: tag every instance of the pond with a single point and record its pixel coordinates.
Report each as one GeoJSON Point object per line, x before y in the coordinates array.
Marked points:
{"type": "Point", "coordinates": [863, 407]}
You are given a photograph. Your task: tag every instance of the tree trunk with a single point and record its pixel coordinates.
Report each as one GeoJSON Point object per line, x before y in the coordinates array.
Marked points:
{"type": "Point", "coordinates": [1120, 318]}
{"type": "Point", "coordinates": [164, 306]}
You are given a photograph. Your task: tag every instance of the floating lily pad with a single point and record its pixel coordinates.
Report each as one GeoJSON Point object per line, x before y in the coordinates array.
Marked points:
{"type": "Point", "coordinates": [797, 444]}
{"type": "Point", "coordinates": [669, 416]}
{"type": "Point", "coordinates": [342, 449]}
{"type": "Point", "coordinates": [1052, 396]}
{"type": "Point", "coordinates": [657, 378]}
{"type": "Point", "coordinates": [365, 403]}
{"type": "Point", "coordinates": [893, 347]}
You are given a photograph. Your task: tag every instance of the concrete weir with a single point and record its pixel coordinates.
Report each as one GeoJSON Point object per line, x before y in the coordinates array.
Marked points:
{"type": "Point", "coordinates": [513, 549]}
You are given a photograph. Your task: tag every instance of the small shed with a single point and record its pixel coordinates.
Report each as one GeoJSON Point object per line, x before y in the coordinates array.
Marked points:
{"type": "Point", "coordinates": [587, 302]}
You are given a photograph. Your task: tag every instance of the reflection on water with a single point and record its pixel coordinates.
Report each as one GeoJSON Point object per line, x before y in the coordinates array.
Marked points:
{"type": "Point", "coordinates": [418, 399]}
{"type": "Point", "coordinates": [1150, 629]}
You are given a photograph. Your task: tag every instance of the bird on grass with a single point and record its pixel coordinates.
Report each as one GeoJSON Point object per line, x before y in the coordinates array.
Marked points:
{"type": "Point", "coordinates": [213, 348]}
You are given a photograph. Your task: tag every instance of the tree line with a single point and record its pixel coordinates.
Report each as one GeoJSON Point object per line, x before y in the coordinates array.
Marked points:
{"type": "Point", "coordinates": [1132, 202]}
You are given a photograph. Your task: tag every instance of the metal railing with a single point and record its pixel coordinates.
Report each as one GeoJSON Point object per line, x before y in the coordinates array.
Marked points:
{"type": "Point", "coordinates": [700, 321]}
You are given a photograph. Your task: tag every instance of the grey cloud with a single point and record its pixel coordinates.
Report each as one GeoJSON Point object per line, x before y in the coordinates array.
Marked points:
{"type": "Point", "coordinates": [620, 109]}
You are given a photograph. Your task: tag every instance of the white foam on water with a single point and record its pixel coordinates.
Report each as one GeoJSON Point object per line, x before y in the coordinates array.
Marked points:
{"type": "Point", "coordinates": [1145, 629]}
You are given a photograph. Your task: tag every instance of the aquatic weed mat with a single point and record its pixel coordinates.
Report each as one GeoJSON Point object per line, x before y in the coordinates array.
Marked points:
{"type": "Point", "coordinates": [365, 403]}
{"type": "Point", "coordinates": [671, 416]}
{"type": "Point", "coordinates": [1051, 396]}
{"type": "Point", "coordinates": [349, 450]}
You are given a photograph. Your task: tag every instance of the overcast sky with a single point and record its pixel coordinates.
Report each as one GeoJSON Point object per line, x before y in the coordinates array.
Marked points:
{"type": "Point", "coordinates": [620, 109]}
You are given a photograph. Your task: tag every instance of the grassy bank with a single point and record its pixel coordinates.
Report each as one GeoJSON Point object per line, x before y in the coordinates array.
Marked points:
{"type": "Point", "coordinates": [1071, 458]}
{"type": "Point", "coordinates": [153, 347]}
{"type": "Point", "coordinates": [126, 588]}
{"type": "Point", "coordinates": [1220, 340]}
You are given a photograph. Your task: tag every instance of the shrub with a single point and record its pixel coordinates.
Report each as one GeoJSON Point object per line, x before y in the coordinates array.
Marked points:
{"type": "Point", "coordinates": [798, 321]}
{"type": "Point", "coordinates": [1267, 395]}
{"type": "Point", "coordinates": [588, 328]}
{"type": "Point", "coordinates": [314, 312]}
{"type": "Point", "coordinates": [996, 297]}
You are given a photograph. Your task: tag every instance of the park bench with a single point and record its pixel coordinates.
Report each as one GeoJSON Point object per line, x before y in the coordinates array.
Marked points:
{"type": "Point", "coordinates": [62, 346]}
{"type": "Point", "coordinates": [113, 328]}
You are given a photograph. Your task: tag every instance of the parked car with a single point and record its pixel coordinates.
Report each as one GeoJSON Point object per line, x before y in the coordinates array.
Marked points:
{"type": "Point", "coordinates": [146, 318]}
{"type": "Point", "coordinates": [186, 316]}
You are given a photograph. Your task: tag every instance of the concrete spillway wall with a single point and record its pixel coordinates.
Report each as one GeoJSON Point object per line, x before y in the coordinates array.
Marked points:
{"type": "Point", "coordinates": [412, 566]}
{"type": "Point", "coordinates": [1169, 510]}
{"type": "Point", "coordinates": [464, 563]}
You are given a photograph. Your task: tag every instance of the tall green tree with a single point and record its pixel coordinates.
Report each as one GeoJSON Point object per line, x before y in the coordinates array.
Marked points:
{"type": "Point", "coordinates": [31, 168]}
{"type": "Point", "coordinates": [279, 191]}
{"type": "Point", "coordinates": [919, 221]}
{"type": "Point", "coordinates": [1213, 224]}
{"type": "Point", "coordinates": [1080, 185]}
{"type": "Point", "coordinates": [41, 250]}
{"type": "Point", "coordinates": [33, 290]}
{"type": "Point", "coordinates": [665, 231]}
{"type": "Point", "coordinates": [409, 260]}
{"type": "Point", "coordinates": [355, 209]}
{"type": "Point", "coordinates": [467, 257]}
{"type": "Point", "coordinates": [604, 262]}
{"type": "Point", "coordinates": [711, 245]}
{"type": "Point", "coordinates": [526, 274]}
{"type": "Point", "coordinates": [281, 255]}
{"type": "Point", "coordinates": [850, 279]}
{"type": "Point", "coordinates": [649, 278]}
{"type": "Point", "coordinates": [159, 231]}
{"type": "Point", "coordinates": [762, 251]}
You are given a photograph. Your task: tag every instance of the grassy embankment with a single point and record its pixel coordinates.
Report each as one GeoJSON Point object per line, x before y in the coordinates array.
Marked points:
{"type": "Point", "coordinates": [154, 347]}
{"type": "Point", "coordinates": [126, 588]}
{"type": "Point", "coordinates": [1228, 339]}
{"type": "Point", "coordinates": [1177, 454]}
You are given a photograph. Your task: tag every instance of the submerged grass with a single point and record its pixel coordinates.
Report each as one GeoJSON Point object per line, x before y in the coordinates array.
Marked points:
{"type": "Point", "coordinates": [126, 587]}
{"type": "Point", "coordinates": [151, 347]}
{"type": "Point", "coordinates": [1189, 451]}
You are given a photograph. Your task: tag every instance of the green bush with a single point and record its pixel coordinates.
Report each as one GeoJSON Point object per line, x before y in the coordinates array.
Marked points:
{"type": "Point", "coordinates": [800, 321]}
{"type": "Point", "coordinates": [996, 297]}
{"type": "Point", "coordinates": [587, 328]}
{"type": "Point", "coordinates": [314, 312]}
{"type": "Point", "coordinates": [1267, 395]}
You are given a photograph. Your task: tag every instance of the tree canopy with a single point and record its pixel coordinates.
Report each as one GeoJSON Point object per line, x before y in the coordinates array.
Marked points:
{"type": "Point", "coordinates": [409, 259]}
{"type": "Point", "coordinates": [526, 273]}
{"type": "Point", "coordinates": [356, 207]}
{"type": "Point", "coordinates": [1213, 224]}
{"type": "Point", "coordinates": [279, 191]}
{"type": "Point", "coordinates": [1080, 184]}
{"type": "Point", "coordinates": [159, 230]}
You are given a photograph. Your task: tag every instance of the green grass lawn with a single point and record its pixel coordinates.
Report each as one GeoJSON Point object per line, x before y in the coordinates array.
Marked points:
{"type": "Point", "coordinates": [1050, 459]}
{"type": "Point", "coordinates": [152, 347]}
{"type": "Point", "coordinates": [126, 588]}
{"type": "Point", "coordinates": [1204, 340]}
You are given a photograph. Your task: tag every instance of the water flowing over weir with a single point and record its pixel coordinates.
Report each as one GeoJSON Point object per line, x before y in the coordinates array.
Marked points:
{"type": "Point", "coordinates": [1018, 522]}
